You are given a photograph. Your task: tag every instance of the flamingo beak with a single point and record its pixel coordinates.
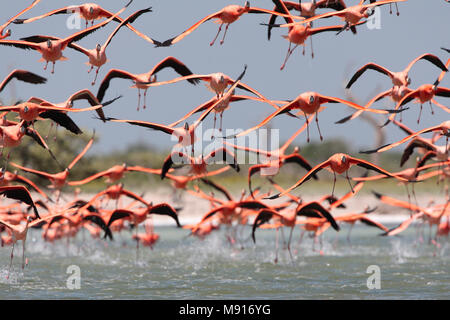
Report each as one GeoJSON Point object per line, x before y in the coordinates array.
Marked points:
{"type": "Point", "coordinates": [247, 5]}
{"type": "Point", "coordinates": [22, 129]}
{"type": "Point", "coordinates": [186, 126]}
{"type": "Point", "coordinates": [8, 32]}
{"type": "Point", "coordinates": [222, 79]}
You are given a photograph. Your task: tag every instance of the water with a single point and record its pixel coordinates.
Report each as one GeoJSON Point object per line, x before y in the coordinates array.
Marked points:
{"type": "Point", "coordinates": [189, 268]}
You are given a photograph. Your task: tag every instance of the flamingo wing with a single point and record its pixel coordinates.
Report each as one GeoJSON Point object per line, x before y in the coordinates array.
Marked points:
{"type": "Point", "coordinates": [22, 75]}
{"type": "Point", "coordinates": [62, 119]}
{"type": "Point", "coordinates": [428, 57]}
{"type": "Point", "coordinates": [113, 73]}
{"type": "Point", "coordinates": [19, 193]}
{"type": "Point", "coordinates": [166, 209]}
{"type": "Point", "coordinates": [177, 65]}
{"type": "Point", "coordinates": [218, 188]}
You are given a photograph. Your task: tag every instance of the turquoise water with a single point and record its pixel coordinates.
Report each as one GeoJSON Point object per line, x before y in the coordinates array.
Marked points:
{"type": "Point", "coordinates": [181, 267]}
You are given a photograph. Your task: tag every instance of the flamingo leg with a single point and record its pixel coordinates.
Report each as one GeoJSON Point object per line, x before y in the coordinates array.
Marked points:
{"type": "Point", "coordinates": [10, 262]}
{"type": "Point", "coordinates": [312, 49]}
{"type": "Point", "coordinates": [348, 179]}
{"type": "Point", "coordinates": [215, 38]}
{"type": "Point", "coordinates": [53, 67]}
{"type": "Point", "coordinates": [23, 254]}
{"type": "Point", "coordinates": [90, 69]}
{"type": "Point", "coordinates": [318, 128]}
{"type": "Point", "coordinates": [307, 127]}
{"type": "Point", "coordinates": [224, 34]}
{"type": "Point", "coordinates": [45, 66]}
{"type": "Point", "coordinates": [396, 7]}
{"type": "Point", "coordinates": [221, 119]}
{"type": "Point", "coordinates": [349, 233]}
{"type": "Point", "coordinates": [276, 247]}
{"type": "Point", "coordinates": [139, 99]}
{"type": "Point", "coordinates": [145, 99]}
{"type": "Point", "coordinates": [431, 107]}
{"type": "Point", "coordinates": [420, 113]}
{"type": "Point", "coordinates": [334, 184]}
{"type": "Point", "coordinates": [96, 74]}
{"type": "Point", "coordinates": [289, 245]}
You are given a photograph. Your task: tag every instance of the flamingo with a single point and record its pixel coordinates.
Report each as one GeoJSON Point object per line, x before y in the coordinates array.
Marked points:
{"type": "Point", "coordinates": [7, 177]}
{"type": "Point", "coordinates": [20, 193]}
{"type": "Point", "coordinates": [425, 93]}
{"type": "Point", "coordinates": [58, 180]}
{"type": "Point", "coordinates": [84, 94]}
{"type": "Point", "coordinates": [6, 33]}
{"type": "Point", "coordinates": [185, 134]}
{"type": "Point", "coordinates": [88, 12]}
{"type": "Point", "coordinates": [227, 15]}
{"type": "Point", "coordinates": [149, 238]}
{"type": "Point", "coordinates": [30, 111]}
{"type": "Point", "coordinates": [338, 163]}
{"type": "Point", "coordinates": [140, 80]}
{"type": "Point", "coordinates": [310, 103]}
{"type": "Point", "coordinates": [307, 10]}
{"type": "Point", "coordinates": [351, 15]}
{"type": "Point", "coordinates": [400, 78]}
{"type": "Point", "coordinates": [52, 50]}
{"type": "Point", "coordinates": [22, 75]}
{"type": "Point", "coordinates": [97, 56]}
{"type": "Point", "coordinates": [198, 165]}
{"type": "Point", "coordinates": [289, 219]}
{"type": "Point", "coordinates": [19, 232]}
{"type": "Point", "coordinates": [443, 128]}
{"type": "Point", "coordinates": [11, 135]}
{"type": "Point", "coordinates": [298, 33]}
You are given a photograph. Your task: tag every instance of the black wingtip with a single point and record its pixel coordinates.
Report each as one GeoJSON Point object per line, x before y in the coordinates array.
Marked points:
{"type": "Point", "coordinates": [166, 43]}
{"type": "Point", "coordinates": [376, 194]}
{"type": "Point", "coordinates": [19, 21]}
{"type": "Point", "coordinates": [343, 120]}
{"type": "Point", "coordinates": [275, 196]}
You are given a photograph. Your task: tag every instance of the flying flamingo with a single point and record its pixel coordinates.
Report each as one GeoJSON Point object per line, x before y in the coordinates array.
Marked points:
{"type": "Point", "coordinates": [19, 232]}
{"type": "Point", "coordinates": [443, 129]}
{"type": "Point", "coordinates": [58, 180]}
{"type": "Point", "coordinates": [298, 33]}
{"type": "Point", "coordinates": [7, 177]}
{"type": "Point", "coordinates": [400, 78]}
{"type": "Point", "coordinates": [22, 75]}
{"type": "Point", "coordinates": [52, 50]}
{"type": "Point", "coordinates": [310, 103]}
{"type": "Point", "coordinates": [7, 32]}
{"type": "Point", "coordinates": [97, 56]}
{"type": "Point", "coordinates": [395, 93]}
{"type": "Point", "coordinates": [199, 164]}
{"type": "Point", "coordinates": [307, 10]}
{"type": "Point", "coordinates": [289, 218]}
{"type": "Point", "coordinates": [141, 80]}
{"type": "Point", "coordinates": [227, 15]}
{"type": "Point", "coordinates": [84, 94]}
{"type": "Point", "coordinates": [186, 134]}
{"type": "Point", "coordinates": [20, 193]}
{"type": "Point", "coordinates": [338, 163]}
{"type": "Point", "coordinates": [88, 12]}
{"type": "Point", "coordinates": [30, 111]}
{"type": "Point", "coordinates": [11, 134]}
{"type": "Point", "coordinates": [149, 238]}
{"type": "Point", "coordinates": [220, 108]}
{"type": "Point", "coordinates": [426, 93]}
{"type": "Point", "coordinates": [351, 15]}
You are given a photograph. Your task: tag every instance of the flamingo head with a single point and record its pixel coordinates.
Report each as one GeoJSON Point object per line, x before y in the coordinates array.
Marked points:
{"type": "Point", "coordinates": [23, 129]}
{"type": "Point", "coordinates": [91, 10]}
{"type": "Point", "coordinates": [186, 126]}
{"type": "Point", "coordinates": [246, 7]}
{"type": "Point", "coordinates": [222, 79]}
{"type": "Point", "coordinates": [296, 149]}
{"type": "Point", "coordinates": [98, 47]}
{"type": "Point", "coordinates": [124, 165]}
{"type": "Point", "coordinates": [7, 33]}
{"type": "Point", "coordinates": [312, 99]}
{"type": "Point", "coordinates": [29, 219]}
{"type": "Point", "coordinates": [49, 44]}
{"type": "Point", "coordinates": [344, 159]}
{"type": "Point", "coordinates": [26, 109]}
{"type": "Point", "coordinates": [408, 80]}
{"type": "Point", "coordinates": [153, 79]}
{"type": "Point", "coordinates": [369, 12]}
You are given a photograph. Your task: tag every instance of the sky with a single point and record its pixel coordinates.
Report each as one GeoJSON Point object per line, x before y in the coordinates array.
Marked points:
{"type": "Point", "coordinates": [420, 28]}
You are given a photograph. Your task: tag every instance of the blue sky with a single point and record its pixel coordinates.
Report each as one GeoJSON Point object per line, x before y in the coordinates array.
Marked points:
{"type": "Point", "coordinates": [420, 28]}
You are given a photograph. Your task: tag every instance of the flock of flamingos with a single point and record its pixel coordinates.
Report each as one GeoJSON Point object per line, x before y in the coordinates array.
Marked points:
{"type": "Point", "coordinates": [63, 220]}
